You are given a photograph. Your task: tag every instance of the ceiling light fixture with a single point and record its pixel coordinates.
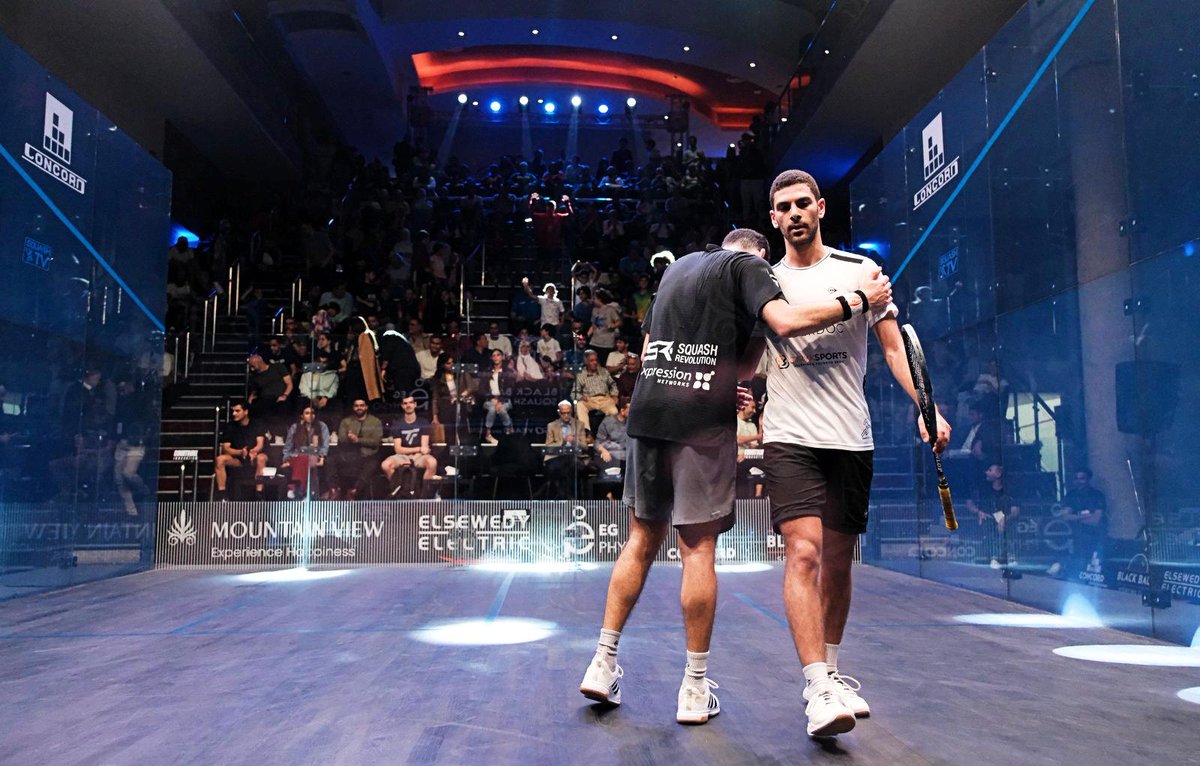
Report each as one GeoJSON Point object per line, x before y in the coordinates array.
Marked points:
{"type": "Point", "coordinates": [494, 106]}
{"type": "Point", "coordinates": [523, 100]}
{"type": "Point", "coordinates": [533, 31]}
{"type": "Point", "coordinates": [631, 102]}
{"type": "Point", "coordinates": [550, 107]}
{"type": "Point", "coordinates": [462, 98]}
{"type": "Point", "coordinates": [602, 109]}
{"type": "Point", "coordinates": [752, 65]}
{"type": "Point", "coordinates": [687, 48]}
{"type": "Point", "coordinates": [462, 34]}
{"type": "Point", "coordinates": [576, 101]}
{"type": "Point", "coordinates": [614, 37]}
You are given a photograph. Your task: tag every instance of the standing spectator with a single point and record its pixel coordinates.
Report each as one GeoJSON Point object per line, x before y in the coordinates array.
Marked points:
{"type": "Point", "coordinates": [551, 306]}
{"type": "Point", "coordinates": [583, 305]}
{"type": "Point", "coordinates": [606, 321]}
{"type": "Point", "coordinates": [643, 297]}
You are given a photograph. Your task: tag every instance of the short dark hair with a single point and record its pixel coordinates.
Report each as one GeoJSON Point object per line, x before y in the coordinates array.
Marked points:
{"type": "Point", "coordinates": [549, 328]}
{"type": "Point", "coordinates": [792, 178]}
{"type": "Point", "coordinates": [1086, 471]}
{"type": "Point", "coordinates": [239, 403]}
{"type": "Point", "coordinates": [747, 240]}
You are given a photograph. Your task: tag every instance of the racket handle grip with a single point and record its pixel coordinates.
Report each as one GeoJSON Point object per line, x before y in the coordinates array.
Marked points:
{"type": "Point", "coordinates": [948, 508]}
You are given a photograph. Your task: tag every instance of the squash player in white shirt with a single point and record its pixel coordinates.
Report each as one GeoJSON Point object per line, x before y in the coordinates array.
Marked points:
{"type": "Point", "coordinates": [819, 450]}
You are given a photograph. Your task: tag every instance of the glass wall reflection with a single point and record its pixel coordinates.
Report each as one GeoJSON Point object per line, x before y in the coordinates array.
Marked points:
{"type": "Point", "coordinates": [1051, 296]}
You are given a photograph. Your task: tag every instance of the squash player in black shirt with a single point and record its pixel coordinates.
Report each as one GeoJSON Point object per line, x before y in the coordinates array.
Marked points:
{"type": "Point", "coordinates": [681, 464]}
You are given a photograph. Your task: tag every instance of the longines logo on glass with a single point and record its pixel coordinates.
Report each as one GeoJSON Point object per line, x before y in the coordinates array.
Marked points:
{"type": "Point", "coordinates": [57, 131]}
{"type": "Point", "coordinates": [933, 155]}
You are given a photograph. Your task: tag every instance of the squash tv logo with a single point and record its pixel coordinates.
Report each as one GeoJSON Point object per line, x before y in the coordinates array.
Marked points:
{"type": "Point", "coordinates": [57, 132]}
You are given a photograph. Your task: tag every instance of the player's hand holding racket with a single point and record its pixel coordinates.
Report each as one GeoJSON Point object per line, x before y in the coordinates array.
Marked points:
{"type": "Point", "coordinates": [930, 421]}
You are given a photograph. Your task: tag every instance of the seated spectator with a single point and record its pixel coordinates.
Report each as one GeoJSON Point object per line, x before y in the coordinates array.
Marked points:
{"type": "Point", "coordinates": [994, 512]}
{"type": "Point", "coordinates": [341, 298]}
{"type": "Point", "coordinates": [277, 352]}
{"type": "Point", "coordinates": [416, 336]}
{"type": "Point", "coordinates": [612, 438]}
{"type": "Point", "coordinates": [526, 365]}
{"type": "Point", "coordinates": [270, 385]}
{"type": "Point", "coordinates": [355, 460]}
{"type": "Point", "coordinates": [615, 362]}
{"type": "Point", "coordinates": [594, 389]}
{"type": "Point", "coordinates": [495, 391]}
{"type": "Point", "coordinates": [552, 307]}
{"type": "Point", "coordinates": [479, 354]}
{"type": "Point", "coordinates": [410, 440]}
{"type": "Point", "coordinates": [749, 436]}
{"type": "Point", "coordinates": [243, 443]}
{"type": "Point", "coordinates": [305, 450]}
{"type": "Point", "coordinates": [1083, 509]}
{"type": "Point", "coordinates": [565, 431]}
{"type": "Point", "coordinates": [548, 347]}
{"type": "Point", "coordinates": [574, 359]}
{"type": "Point", "coordinates": [498, 341]}
{"type": "Point", "coordinates": [628, 378]}
{"type": "Point", "coordinates": [428, 357]}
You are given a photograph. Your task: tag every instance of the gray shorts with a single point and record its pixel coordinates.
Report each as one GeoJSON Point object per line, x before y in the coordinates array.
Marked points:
{"type": "Point", "coordinates": [679, 483]}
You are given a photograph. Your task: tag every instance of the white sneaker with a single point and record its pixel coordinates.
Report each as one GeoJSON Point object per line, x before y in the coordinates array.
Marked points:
{"type": "Point", "coordinates": [697, 703]}
{"type": "Point", "coordinates": [601, 682]}
{"type": "Point", "coordinates": [827, 714]}
{"type": "Point", "coordinates": [847, 691]}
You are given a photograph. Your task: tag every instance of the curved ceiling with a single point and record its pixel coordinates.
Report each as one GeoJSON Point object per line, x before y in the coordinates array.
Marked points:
{"type": "Point", "coordinates": [728, 58]}
{"type": "Point", "coordinates": [729, 102]}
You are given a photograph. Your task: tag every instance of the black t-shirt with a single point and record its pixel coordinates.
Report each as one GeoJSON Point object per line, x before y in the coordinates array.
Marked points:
{"type": "Point", "coordinates": [241, 436]}
{"type": "Point", "coordinates": [270, 383]}
{"type": "Point", "coordinates": [409, 434]}
{"type": "Point", "coordinates": [699, 325]}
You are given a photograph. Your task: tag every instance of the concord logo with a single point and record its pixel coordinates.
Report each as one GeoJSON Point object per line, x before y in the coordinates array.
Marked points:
{"type": "Point", "coordinates": [57, 136]}
{"type": "Point", "coordinates": [933, 155]}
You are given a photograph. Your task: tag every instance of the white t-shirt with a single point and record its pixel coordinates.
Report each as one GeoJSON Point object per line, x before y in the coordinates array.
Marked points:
{"type": "Point", "coordinates": [549, 347]}
{"type": "Point", "coordinates": [815, 393]}
{"type": "Point", "coordinates": [552, 310]}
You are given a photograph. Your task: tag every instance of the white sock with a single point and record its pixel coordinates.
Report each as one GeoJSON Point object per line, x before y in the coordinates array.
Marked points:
{"type": "Point", "coordinates": [607, 646]}
{"type": "Point", "coordinates": [831, 654]}
{"type": "Point", "coordinates": [697, 667]}
{"type": "Point", "coordinates": [815, 672]}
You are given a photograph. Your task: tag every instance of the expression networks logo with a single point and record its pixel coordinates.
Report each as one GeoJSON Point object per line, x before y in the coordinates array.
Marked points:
{"type": "Point", "coordinates": [57, 135]}
{"type": "Point", "coordinates": [181, 530]}
{"type": "Point", "coordinates": [704, 380]}
{"type": "Point", "coordinates": [938, 172]}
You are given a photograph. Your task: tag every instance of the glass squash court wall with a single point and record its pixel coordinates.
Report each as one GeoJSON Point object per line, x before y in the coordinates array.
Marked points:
{"type": "Point", "coordinates": [1040, 218]}
{"type": "Point", "coordinates": [84, 225]}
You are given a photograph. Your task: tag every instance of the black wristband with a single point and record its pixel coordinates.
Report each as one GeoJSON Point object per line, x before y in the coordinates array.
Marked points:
{"type": "Point", "coordinates": [866, 306]}
{"type": "Point", "coordinates": [846, 312]}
